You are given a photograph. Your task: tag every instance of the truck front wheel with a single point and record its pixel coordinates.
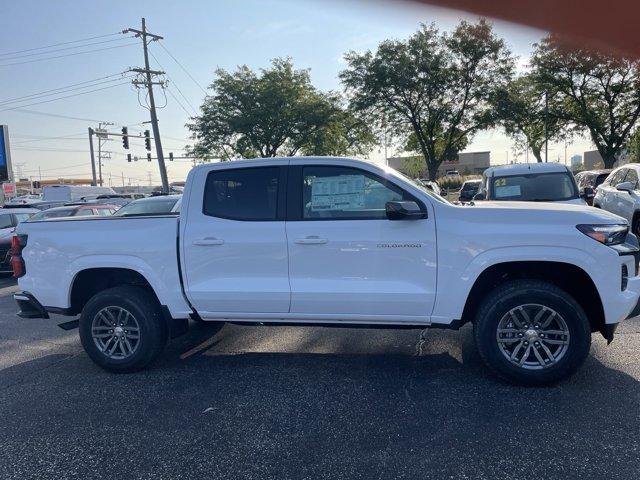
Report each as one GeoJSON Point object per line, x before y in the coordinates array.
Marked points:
{"type": "Point", "coordinates": [122, 329]}
{"type": "Point", "coordinates": [531, 332]}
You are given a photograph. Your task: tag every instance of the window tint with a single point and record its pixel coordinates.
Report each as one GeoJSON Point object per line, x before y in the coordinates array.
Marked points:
{"type": "Point", "coordinates": [617, 177]}
{"type": "Point", "coordinates": [632, 177]}
{"type": "Point", "coordinates": [104, 212]}
{"type": "Point", "coordinates": [21, 217]}
{"type": "Point", "coordinates": [6, 221]}
{"type": "Point", "coordinates": [550, 187]}
{"type": "Point", "coordinates": [346, 193]}
{"type": "Point", "coordinates": [84, 212]}
{"type": "Point", "coordinates": [242, 194]}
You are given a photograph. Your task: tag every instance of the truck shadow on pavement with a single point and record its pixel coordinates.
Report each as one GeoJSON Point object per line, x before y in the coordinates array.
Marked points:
{"type": "Point", "coordinates": [312, 403]}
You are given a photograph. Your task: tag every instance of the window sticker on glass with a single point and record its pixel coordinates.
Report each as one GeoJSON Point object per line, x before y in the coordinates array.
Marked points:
{"type": "Point", "coordinates": [344, 192]}
{"type": "Point", "coordinates": [507, 191]}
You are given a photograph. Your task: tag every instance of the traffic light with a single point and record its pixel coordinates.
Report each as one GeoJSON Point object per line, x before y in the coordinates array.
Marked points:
{"type": "Point", "coordinates": [171, 156]}
{"type": "Point", "coordinates": [125, 138]}
{"type": "Point", "coordinates": [148, 157]}
{"type": "Point", "coordinates": [129, 157]}
{"type": "Point", "coordinates": [147, 140]}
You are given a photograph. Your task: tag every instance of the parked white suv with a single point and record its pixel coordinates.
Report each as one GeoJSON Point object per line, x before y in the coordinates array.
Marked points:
{"type": "Point", "coordinates": [530, 182]}
{"type": "Point", "coordinates": [619, 194]}
{"type": "Point", "coordinates": [335, 242]}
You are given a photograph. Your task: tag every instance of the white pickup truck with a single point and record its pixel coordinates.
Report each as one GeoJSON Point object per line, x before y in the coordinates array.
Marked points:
{"type": "Point", "coordinates": [336, 241]}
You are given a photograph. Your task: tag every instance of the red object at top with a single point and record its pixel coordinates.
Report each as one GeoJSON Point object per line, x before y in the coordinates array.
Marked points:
{"type": "Point", "coordinates": [611, 26]}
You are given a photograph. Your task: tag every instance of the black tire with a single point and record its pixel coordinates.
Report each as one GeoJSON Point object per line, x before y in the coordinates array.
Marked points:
{"type": "Point", "coordinates": [515, 293]}
{"type": "Point", "coordinates": [635, 225]}
{"type": "Point", "coordinates": [144, 307]}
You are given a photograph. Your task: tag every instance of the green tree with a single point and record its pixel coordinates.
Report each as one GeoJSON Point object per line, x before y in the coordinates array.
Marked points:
{"type": "Point", "coordinates": [434, 85]}
{"type": "Point", "coordinates": [633, 146]}
{"type": "Point", "coordinates": [599, 92]}
{"type": "Point", "coordinates": [276, 112]}
{"type": "Point", "coordinates": [521, 109]}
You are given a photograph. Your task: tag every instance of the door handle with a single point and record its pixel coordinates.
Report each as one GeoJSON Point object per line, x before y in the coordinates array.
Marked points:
{"type": "Point", "coordinates": [311, 240]}
{"type": "Point", "coordinates": [208, 241]}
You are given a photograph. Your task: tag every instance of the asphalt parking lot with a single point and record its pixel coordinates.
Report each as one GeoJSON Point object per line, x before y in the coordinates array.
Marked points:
{"type": "Point", "coordinates": [293, 403]}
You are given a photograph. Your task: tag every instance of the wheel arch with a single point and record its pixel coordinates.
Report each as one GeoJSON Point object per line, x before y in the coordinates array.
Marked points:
{"type": "Point", "coordinates": [88, 282]}
{"type": "Point", "coordinates": [569, 277]}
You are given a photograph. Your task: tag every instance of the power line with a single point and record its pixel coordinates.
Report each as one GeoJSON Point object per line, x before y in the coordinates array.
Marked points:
{"type": "Point", "coordinates": [62, 88]}
{"type": "Point", "coordinates": [177, 88]}
{"type": "Point", "coordinates": [182, 67]}
{"type": "Point", "coordinates": [62, 98]}
{"type": "Point", "coordinates": [68, 55]}
{"type": "Point", "coordinates": [62, 43]}
{"type": "Point", "coordinates": [67, 48]}
{"type": "Point", "coordinates": [178, 101]}
{"type": "Point", "coordinates": [56, 168]}
{"type": "Point", "coordinates": [36, 96]}
{"type": "Point", "coordinates": [55, 115]}
{"type": "Point", "coordinates": [45, 149]}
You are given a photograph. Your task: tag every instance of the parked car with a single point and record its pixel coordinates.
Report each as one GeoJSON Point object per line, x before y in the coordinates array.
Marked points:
{"type": "Point", "coordinates": [336, 241]}
{"type": "Point", "coordinates": [158, 205]}
{"type": "Point", "coordinates": [468, 190]}
{"type": "Point", "coordinates": [530, 182]}
{"type": "Point", "coordinates": [9, 219]}
{"type": "Point", "coordinates": [73, 193]}
{"type": "Point", "coordinates": [588, 181]}
{"type": "Point", "coordinates": [84, 210]}
{"type": "Point", "coordinates": [42, 205]}
{"type": "Point", "coordinates": [619, 194]}
{"type": "Point", "coordinates": [452, 173]}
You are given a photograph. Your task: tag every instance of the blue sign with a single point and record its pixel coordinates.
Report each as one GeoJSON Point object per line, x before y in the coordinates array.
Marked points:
{"type": "Point", "coordinates": [3, 148]}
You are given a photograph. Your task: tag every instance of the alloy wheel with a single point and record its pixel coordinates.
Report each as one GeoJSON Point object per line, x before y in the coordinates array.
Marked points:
{"type": "Point", "coordinates": [533, 336]}
{"type": "Point", "coordinates": [116, 332]}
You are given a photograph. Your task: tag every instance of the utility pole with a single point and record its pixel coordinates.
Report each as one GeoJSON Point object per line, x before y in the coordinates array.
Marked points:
{"type": "Point", "coordinates": [143, 34]}
{"type": "Point", "coordinates": [93, 159]}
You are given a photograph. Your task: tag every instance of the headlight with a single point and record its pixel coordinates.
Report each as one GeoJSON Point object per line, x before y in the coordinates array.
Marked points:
{"type": "Point", "coordinates": [605, 234]}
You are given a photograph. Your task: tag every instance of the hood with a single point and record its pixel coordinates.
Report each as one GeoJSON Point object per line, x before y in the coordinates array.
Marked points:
{"type": "Point", "coordinates": [551, 212]}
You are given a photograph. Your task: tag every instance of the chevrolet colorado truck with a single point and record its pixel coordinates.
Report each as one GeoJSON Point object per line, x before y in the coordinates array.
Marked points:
{"type": "Point", "coordinates": [334, 242]}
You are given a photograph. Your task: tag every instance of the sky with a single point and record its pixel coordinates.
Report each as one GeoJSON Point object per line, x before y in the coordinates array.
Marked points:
{"type": "Point", "coordinates": [201, 35]}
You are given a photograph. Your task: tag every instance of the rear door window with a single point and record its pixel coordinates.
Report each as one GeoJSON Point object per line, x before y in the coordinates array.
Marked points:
{"type": "Point", "coordinates": [249, 194]}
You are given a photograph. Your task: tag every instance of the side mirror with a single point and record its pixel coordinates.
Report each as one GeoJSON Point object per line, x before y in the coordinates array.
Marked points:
{"type": "Point", "coordinates": [478, 196]}
{"type": "Point", "coordinates": [588, 192]}
{"type": "Point", "coordinates": [626, 187]}
{"type": "Point", "coordinates": [404, 211]}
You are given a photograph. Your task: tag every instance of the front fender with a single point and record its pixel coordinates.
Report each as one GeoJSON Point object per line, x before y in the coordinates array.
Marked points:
{"type": "Point", "coordinates": [454, 286]}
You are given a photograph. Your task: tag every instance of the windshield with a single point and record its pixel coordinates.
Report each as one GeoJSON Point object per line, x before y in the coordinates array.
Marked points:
{"type": "Point", "coordinates": [65, 212]}
{"type": "Point", "coordinates": [542, 187]}
{"type": "Point", "coordinates": [147, 207]}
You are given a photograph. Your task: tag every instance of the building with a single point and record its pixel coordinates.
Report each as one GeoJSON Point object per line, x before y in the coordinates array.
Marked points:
{"type": "Point", "coordinates": [593, 160]}
{"type": "Point", "coordinates": [467, 163]}
{"type": "Point", "coordinates": [576, 161]}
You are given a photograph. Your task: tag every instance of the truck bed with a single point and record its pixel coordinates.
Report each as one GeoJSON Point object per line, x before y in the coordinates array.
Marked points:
{"type": "Point", "coordinates": [60, 248]}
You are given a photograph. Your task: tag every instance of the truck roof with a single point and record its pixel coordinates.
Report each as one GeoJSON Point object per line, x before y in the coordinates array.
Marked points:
{"type": "Point", "coordinates": [525, 168]}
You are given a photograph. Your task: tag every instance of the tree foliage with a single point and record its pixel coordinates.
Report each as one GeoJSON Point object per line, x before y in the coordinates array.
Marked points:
{"type": "Point", "coordinates": [276, 112]}
{"type": "Point", "coordinates": [521, 109]}
{"type": "Point", "coordinates": [434, 86]}
{"type": "Point", "coordinates": [598, 92]}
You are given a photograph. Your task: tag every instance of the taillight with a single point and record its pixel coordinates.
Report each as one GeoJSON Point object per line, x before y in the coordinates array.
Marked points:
{"type": "Point", "coordinates": [18, 242]}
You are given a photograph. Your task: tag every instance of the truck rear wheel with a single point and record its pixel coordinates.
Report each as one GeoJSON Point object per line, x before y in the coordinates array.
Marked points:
{"type": "Point", "coordinates": [531, 332]}
{"type": "Point", "coordinates": [122, 329]}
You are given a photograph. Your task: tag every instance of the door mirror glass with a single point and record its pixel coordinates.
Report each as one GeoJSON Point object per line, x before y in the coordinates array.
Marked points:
{"type": "Point", "coordinates": [404, 211]}
{"type": "Point", "coordinates": [625, 187]}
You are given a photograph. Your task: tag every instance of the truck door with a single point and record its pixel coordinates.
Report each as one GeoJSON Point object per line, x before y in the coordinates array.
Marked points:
{"type": "Point", "coordinates": [346, 259]}
{"type": "Point", "coordinates": [234, 246]}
